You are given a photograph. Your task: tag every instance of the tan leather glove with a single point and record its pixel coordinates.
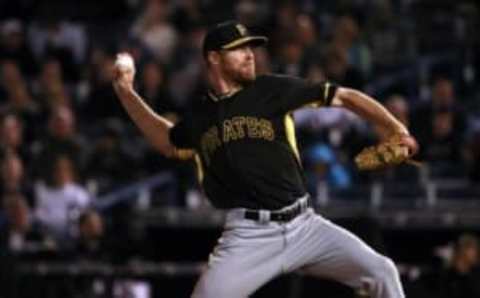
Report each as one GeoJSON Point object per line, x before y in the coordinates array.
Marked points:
{"type": "Point", "coordinates": [394, 151]}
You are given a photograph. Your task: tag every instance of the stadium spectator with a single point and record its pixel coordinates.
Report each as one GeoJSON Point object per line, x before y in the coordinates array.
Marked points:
{"type": "Point", "coordinates": [96, 243]}
{"type": "Point", "coordinates": [291, 58]}
{"type": "Point", "coordinates": [52, 36]}
{"type": "Point", "coordinates": [11, 77]}
{"type": "Point", "coordinates": [110, 164]}
{"type": "Point", "coordinates": [460, 279]}
{"type": "Point", "coordinates": [337, 68]}
{"type": "Point", "coordinates": [13, 47]}
{"type": "Point", "coordinates": [91, 232]}
{"type": "Point", "coordinates": [322, 165]}
{"type": "Point", "coordinates": [185, 76]}
{"type": "Point", "coordinates": [11, 134]}
{"type": "Point", "coordinates": [153, 87]}
{"type": "Point", "coordinates": [62, 138]}
{"type": "Point", "coordinates": [187, 15]}
{"type": "Point", "coordinates": [101, 102]}
{"type": "Point", "coordinates": [19, 101]}
{"type": "Point", "coordinates": [346, 37]}
{"type": "Point", "coordinates": [155, 31]}
{"type": "Point", "coordinates": [50, 88]}
{"type": "Point", "coordinates": [440, 126]}
{"type": "Point", "coordinates": [60, 200]}
{"type": "Point", "coordinates": [19, 235]}
{"type": "Point", "coordinates": [390, 37]}
{"type": "Point", "coordinates": [13, 177]}
{"type": "Point", "coordinates": [442, 99]}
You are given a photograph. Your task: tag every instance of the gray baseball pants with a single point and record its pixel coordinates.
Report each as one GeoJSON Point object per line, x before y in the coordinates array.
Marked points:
{"type": "Point", "coordinates": [251, 253]}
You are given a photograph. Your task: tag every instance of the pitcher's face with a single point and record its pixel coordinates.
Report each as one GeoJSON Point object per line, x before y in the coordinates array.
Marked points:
{"type": "Point", "coordinates": [238, 64]}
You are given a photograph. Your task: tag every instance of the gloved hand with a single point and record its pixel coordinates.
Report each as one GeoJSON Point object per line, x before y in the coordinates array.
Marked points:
{"type": "Point", "coordinates": [396, 150]}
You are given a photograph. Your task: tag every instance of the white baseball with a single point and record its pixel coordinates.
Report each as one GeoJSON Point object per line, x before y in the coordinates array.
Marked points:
{"type": "Point", "coordinates": [125, 61]}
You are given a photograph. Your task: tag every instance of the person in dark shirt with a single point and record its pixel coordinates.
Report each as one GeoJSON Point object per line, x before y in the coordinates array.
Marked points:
{"type": "Point", "coordinates": [62, 138]}
{"type": "Point", "coordinates": [242, 137]}
{"type": "Point", "coordinates": [440, 124]}
{"type": "Point", "coordinates": [90, 243]}
{"type": "Point", "coordinates": [13, 47]}
{"type": "Point", "coordinates": [20, 235]}
{"type": "Point", "coordinates": [110, 164]}
{"type": "Point", "coordinates": [460, 278]}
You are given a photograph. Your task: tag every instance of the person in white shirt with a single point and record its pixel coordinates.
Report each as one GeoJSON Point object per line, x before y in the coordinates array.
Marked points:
{"type": "Point", "coordinates": [60, 201]}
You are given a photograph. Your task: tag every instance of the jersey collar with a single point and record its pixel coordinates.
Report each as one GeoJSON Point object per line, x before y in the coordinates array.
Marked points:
{"type": "Point", "coordinates": [218, 98]}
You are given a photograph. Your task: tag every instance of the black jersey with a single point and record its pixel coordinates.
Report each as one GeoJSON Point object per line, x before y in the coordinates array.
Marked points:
{"type": "Point", "coordinates": [247, 153]}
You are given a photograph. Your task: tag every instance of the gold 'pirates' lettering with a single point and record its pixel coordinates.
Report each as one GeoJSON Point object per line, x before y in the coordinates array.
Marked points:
{"type": "Point", "coordinates": [253, 128]}
{"type": "Point", "coordinates": [238, 123]}
{"type": "Point", "coordinates": [229, 131]}
{"type": "Point", "coordinates": [267, 130]}
{"type": "Point", "coordinates": [241, 127]}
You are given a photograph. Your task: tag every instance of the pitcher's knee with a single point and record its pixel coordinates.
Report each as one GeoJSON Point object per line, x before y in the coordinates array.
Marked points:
{"type": "Point", "coordinates": [382, 280]}
{"type": "Point", "coordinates": [384, 270]}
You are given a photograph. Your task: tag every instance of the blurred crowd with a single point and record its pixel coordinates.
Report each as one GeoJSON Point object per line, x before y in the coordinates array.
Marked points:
{"type": "Point", "coordinates": [65, 140]}
{"type": "Point", "coordinates": [455, 274]}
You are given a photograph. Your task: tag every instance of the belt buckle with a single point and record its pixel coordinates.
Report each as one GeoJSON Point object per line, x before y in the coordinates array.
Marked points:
{"type": "Point", "coordinates": [303, 205]}
{"type": "Point", "coordinates": [264, 216]}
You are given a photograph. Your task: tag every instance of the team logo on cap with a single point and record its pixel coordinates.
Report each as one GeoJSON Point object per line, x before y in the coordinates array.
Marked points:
{"type": "Point", "coordinates": [241, 29]}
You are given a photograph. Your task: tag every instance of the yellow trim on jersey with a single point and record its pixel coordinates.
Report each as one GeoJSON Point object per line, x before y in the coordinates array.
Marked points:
{"type": "Point", "coordinates": [320, 102]}
{"type": "Point", "coordinates": [290, 131]}
{"type": "Point", "coordinates": [200, 173]}
{"type": "Point", "coordinates": [183, 154]}
{"type": "Point", "coordinates": [325, 93]}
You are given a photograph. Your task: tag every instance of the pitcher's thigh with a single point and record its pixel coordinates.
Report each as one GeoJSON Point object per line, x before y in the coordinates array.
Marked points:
{"type": "Point", "coordinates": [235, 279]}
{"type": "Point", "coordinates": [239, 266]}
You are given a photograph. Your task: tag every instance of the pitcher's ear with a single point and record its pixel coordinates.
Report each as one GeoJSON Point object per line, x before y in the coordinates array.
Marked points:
{"type": "Point", "coordinates": [213, 58]}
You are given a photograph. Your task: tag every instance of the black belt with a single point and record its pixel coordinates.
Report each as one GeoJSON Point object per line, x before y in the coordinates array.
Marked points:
{"type": "Point", "coordinates": [283, 216]}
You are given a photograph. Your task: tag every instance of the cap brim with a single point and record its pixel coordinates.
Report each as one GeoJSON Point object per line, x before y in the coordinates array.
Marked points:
{"type": "Point", "coordinates": [253, 40]}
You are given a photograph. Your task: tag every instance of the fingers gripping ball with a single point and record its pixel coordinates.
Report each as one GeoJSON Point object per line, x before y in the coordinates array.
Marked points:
{"type": "Point", "coordinates": [124, 62]}
{"type": "Point", "coordinates": [124, 72]}
{"type": "Point", "coordinates": [394, 151]}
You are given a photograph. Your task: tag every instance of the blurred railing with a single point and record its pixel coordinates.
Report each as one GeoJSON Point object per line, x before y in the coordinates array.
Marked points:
{"type": "Point", "coordinates": [139, 190]}
{"type": "Point", "coordinates": [50, 277]}
{"type": "Point", "coordinates": [428, 201]}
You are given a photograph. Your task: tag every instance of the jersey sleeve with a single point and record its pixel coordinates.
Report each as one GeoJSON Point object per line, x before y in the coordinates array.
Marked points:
{"type": "Point", "coordinates": [295, 93]}
{"type": "Point", "coordinates": [181, 135]}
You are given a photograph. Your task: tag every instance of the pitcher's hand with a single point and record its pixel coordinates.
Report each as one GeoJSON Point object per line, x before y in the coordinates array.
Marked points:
{"type": "Point", "coordinates": [124, 73]}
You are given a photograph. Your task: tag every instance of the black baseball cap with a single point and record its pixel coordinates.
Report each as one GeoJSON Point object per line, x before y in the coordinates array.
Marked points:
{"type": "Point", "coordinates": [228, 35]}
